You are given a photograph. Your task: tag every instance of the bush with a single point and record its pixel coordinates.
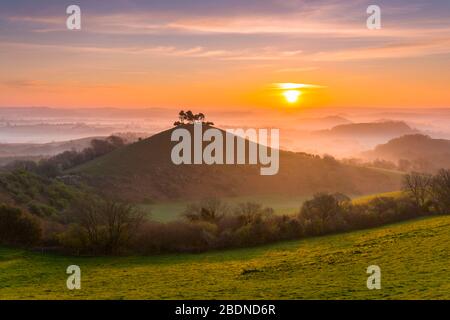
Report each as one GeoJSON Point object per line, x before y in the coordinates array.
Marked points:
{"type": "Point", "coordinates": [440, 191]}
{"type": "Point", "coordinates": [75, 239]}
{"type": "Point", "coordinates": [18, 228]}
{"type": "Point", "coordinates": [323, 214]}
{"type": "Point", "coordinates": [101, 226]}
{"type": "Point", "coordinates": [42, 210]}
{"type": "Point", "coordinates": [213, 225]}
{"type": "Point", "coordinates": [106, 227]}
{"type": "Point", "coordinates": [209, 210]}
{"type": "Point", "coordinates": [155, 238]}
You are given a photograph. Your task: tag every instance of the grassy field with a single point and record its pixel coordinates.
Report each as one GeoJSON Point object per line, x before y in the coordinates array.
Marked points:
{"type": "Point", "coordinates": [367, 198]}
{"type": "Point", "coordinates": [413, 257]}
{"type": "Point", "coordinates": [169, 211]}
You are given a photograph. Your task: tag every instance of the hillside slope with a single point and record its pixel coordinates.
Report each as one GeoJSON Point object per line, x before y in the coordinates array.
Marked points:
{"type": "Point", "coordinates": [144, 171]}
{"type": "Point", "coordinates": [425, 151]}
{"type": "Point", "coordinates": [371, 129]}
{"type": "Point", "coordinates": [38, 195]}
{"type": "Point", "coordinates": [413, 258]}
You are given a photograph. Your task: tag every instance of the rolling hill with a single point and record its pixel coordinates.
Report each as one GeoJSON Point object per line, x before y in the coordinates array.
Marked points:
{"type": "Point", "coordinates": [143, 171]}
{"type": "Point", "coordinates": [413, 258]}
{"type": "Point", "coordinates": [43, 149]}
{"type": "Point", "coordinates": [423, 152]}
{"type": "Point", "coordinates": [10, 152]}
{"type": "Point", "coordinates": [322, 122]}
{"type": "Point", "coordinates": [372, 129]}
{"type": "Point", "coordinates": [348, 140]}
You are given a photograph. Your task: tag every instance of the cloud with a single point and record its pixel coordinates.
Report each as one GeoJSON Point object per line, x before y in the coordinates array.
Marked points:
{"type": "Point", "coordinates": [20, 83]}
{"type": "Point", "coordinates": [265, 53]}
{"type": "Point", "coordinates": [293, 86]}
{"type": "Point", "coordinates": [388, 51]}
{"type": "Point", "coordinates": [297, 69]}
{"type": "Point", "coordinates": [295, 31]}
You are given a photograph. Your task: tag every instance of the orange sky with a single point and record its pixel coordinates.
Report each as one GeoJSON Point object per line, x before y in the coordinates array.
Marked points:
{"type": "Point", "coordinates": [171, 57]}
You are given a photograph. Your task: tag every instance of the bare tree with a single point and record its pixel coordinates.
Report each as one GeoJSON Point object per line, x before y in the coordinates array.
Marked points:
{"type": "Point", "coordinates": [210, 210]}
{"type": "Point", "coordinates": [441, 191]}
{"type": "Point", "coordinates": [249, 212]}
{"type": "Point", "coordinates": [109, 225]}
{"type": "Point", "coordinates": [418, 186]}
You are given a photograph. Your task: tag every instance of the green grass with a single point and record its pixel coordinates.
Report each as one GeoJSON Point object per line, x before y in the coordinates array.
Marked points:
{"type": "Point", "coordinates": [413, 257]}
{"type": "Point", "coordinates": [169, 211]}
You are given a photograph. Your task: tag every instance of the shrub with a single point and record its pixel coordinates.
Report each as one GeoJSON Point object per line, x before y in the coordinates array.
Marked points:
{"type": "Point", "coordinates": [102, 226]}
{"type": "Point", "coordinates": [252, 212]}
{"type": "Point", "coordinates": [41, 210]}
{"type": "Point", "coordinates": [178, 236]}
{"type": "Point", "coordinates": [322, 214]}
{"type": "Point", "coordinates": [75, 239]}
{"type": "Point", "coordinates": [106, 227]}
{"type": "Point", "coordinates": [441, 191]}
{"type": "Point", "coordinates": [209, 210]}
{"type": "Point", "coordinates": [18, 228]}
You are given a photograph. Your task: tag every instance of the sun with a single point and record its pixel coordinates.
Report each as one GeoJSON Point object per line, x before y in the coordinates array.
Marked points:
{"type": "Point", "coordinates": [292, 96]}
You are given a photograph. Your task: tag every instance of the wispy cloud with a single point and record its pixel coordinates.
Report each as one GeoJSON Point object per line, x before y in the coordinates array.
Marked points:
{"type": "Point", "coordinates": [188, 35]}
{"type": "Point", "coordinates": [292, 86]}
{"type": "Point", "coordinates": [265, 53]}
{"type": "Point", "coordinates": [21, 83]}
{"type": "Point", "coordinates": [297, 69]}
{"type": "Point", "coordinates": [391, 51]}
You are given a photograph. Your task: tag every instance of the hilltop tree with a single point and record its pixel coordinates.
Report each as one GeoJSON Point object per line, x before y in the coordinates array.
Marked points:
{"type": "Point", "coordinates": [189, 117]}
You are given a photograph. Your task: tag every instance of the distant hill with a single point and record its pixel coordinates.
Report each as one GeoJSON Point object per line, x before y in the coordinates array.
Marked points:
{"type": "Point", "coordinates": [419, 150]}
{"type": "Point", "coordinates": [371, 129]}
{"type": "Point", "coordinates": [322, 123]}
{"type": "Point", "coordinates": [349, 140]}
{"type": "Point", "coordinates": [43, 149]}
{"type": "Point", "coordinates": [35, 151]}
{"type": "Point", "coordinates": [143, 171]}
{"type": "Point", "coordinates": [10, 152]}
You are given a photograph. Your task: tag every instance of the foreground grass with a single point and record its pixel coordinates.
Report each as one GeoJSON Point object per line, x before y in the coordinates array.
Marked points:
{"type": "Point", "coordinates": [413, 256]}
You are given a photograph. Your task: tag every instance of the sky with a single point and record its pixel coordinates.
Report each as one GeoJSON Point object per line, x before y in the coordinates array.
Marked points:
{"type": "Point", "coordinates": [230, 54]}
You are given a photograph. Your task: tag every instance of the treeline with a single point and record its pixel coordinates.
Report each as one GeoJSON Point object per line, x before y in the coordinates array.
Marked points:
{"type": "Point", "coordinates": [98, 226]}
{"type": "Point", "coordinates": [54, 166]}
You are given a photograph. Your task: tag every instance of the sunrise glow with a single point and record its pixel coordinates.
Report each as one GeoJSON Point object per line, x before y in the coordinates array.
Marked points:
{"type": "Point", "coordinates": [292, 96]}
{"type": "Point", "coordinates": [132, 62]}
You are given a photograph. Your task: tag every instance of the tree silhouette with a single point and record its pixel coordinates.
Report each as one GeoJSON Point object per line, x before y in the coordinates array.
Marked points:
{"type": "Point", "coordinates": [182, 116]}
{"type": "Point", "coordinates": [189, 117]}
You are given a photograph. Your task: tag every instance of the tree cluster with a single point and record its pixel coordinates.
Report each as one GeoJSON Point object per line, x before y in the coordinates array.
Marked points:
{"type": "Point", "coordinates": [97, 226]}
{"type": "Point", "coordinates": [189, 117]}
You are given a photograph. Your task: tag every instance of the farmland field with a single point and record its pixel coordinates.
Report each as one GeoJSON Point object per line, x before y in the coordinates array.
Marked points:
{"type": "Point", "coordinates": [329, 267]}
{"type": "Point", "coordinates": [169, 211]}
